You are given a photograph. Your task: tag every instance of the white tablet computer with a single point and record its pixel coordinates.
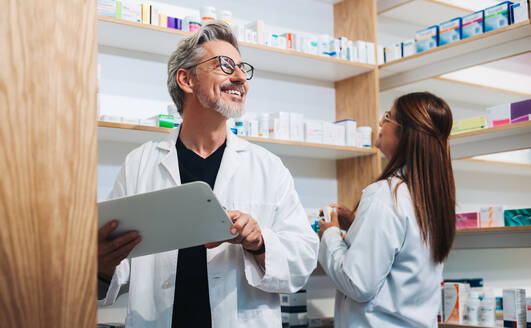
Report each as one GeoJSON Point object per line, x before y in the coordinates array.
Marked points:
{"type": "Point", "coordinates": [178, 217]}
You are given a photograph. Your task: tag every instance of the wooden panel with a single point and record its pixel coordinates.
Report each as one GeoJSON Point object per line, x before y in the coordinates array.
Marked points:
{"type": "Point", "coordinates": [356, 20]}
{"type": "Point", "coordinates": [353, 175]}
{"type": "Point", "coordinates": [48, 163]}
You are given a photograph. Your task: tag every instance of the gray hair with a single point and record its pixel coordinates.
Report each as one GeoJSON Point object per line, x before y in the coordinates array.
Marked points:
{"type": "Point", "coordinates": [189, 52]}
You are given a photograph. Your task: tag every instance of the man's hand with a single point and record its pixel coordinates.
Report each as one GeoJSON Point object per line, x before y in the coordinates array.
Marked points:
{"type": "Point", "coordinates": [112, 252]}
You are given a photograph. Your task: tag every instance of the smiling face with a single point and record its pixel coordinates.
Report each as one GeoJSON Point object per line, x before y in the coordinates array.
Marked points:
{"type": "Point", "coordinates": [388, 139]}
{"type": "Point", "coordinates": [216, 89]}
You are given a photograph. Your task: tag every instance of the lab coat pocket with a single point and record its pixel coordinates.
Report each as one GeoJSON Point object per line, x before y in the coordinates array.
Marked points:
{"type": "Point", "coordinates": [263, 213]}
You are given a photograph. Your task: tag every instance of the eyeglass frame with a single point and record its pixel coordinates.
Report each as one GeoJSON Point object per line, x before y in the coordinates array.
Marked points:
{"type": "Point", "coordinates": [220, 57]}
{"type": "Point", "coordinates": [386, 117]}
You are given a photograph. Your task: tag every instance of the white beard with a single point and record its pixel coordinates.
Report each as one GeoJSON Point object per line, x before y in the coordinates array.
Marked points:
{"type": "Point", "coordinates": [227, 110]}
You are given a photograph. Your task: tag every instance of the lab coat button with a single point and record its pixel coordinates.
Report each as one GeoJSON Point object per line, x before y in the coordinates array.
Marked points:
{"type": "Point", "coordinates": [166, 284]}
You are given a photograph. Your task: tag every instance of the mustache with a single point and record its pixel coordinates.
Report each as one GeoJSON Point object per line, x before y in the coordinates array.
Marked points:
{"type": "Point", "coordinates": [233, 86]}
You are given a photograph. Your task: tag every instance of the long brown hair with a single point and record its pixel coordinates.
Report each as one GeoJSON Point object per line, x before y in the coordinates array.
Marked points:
{"type": "Point", "coordinates": [423, 158]}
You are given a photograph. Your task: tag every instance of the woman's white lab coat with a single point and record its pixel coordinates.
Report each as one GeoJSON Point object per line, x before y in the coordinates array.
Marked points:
{"type": "Point", "coordinates": [242, 294]}
{"type": "Point", "coordinates": [382, 270]}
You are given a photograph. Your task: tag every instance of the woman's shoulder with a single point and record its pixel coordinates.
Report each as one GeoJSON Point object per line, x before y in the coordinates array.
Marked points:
{"type": "Point", "coordinates": [384, 190]}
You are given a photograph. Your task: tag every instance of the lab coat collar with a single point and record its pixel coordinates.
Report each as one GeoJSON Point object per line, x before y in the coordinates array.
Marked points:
{"type": "Point", "coordinates": [229, 163]}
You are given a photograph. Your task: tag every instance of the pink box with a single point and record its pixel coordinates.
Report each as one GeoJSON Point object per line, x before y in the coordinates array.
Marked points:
{"type": "Point", "coordinates": [467, 220]}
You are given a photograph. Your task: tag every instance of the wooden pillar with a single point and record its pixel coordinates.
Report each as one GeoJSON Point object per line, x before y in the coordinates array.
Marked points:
{"type": "Point", "coordinates": [48, 158]}
{"type": "Point", "coordinates": [357, 97]}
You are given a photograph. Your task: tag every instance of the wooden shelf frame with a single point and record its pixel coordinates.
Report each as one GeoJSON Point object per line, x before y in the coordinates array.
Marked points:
{"type": "Point", "coordinates": [480, 49]}
{"type": "Point", "coordinates": [129, 133]}
{"type": "Point", "coordinates": [496, 237]}
{"type": "Point", "coordinates": [160, 41]}
{"type": "Point", "coordinates": [492, 140]}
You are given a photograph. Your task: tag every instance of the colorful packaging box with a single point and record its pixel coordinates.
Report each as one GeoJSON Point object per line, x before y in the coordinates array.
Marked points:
{"type": "Point", "coordinates": [408, 47]}
{"type": "Point", "coordinates": [491, 216]}
{"type": "Point", "coordinates": [521, 111]}
{"type": "Point", "coordinates": [427, 38]}
{"type": "Point", "coordinates": [454, 295]}
{"type": "Point", "coordinates": [517, 217]}
{"type": "Point", "coordinates": [498, 115]}
{"type": "Point", "coordinates": [165, 120]}
{"type": "Point", "coordinates": [450, 31]}
{"type": "Point", "coordinates": [470, 124]}
{"type": "Point", "coordinates": [163, 20]}
{"type": "Point", "coordinates": [467, 220]}
{"type": "Point", "coordinates": [472, 24]}
{"type": "Point", "coordinates": [497, 16]}
{"type": "Point", "coordinates": [514, 307]}
{"type": "Point", "coordinates": [519, 11]}
{"type": "Point", "coordinates": [393, 52]}
{"type": "Point", "coordinates": [106, 8]}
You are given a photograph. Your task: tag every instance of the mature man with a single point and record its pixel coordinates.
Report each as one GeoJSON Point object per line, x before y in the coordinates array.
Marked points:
{"type": "Point", "coordinates": [231, 284]}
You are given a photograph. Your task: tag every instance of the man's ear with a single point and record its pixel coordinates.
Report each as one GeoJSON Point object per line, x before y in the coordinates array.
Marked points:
{"type": "Point", "coordinates": [184, 80]}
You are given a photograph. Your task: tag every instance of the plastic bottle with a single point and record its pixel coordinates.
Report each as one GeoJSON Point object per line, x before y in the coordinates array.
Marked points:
{"type": "Point", "coordinates": [263, 125]}
{"type": "Point", "coordinates": [226, 16]}
{"type": "Point", "coordinates": [472, 308]}
{"type": "Point", "coordinates": [487, 310]}
{"type": "Point", "coordinates": [208, 14]}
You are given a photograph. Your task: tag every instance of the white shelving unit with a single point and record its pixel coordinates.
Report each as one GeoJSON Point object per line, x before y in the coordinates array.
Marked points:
{"type": "Point", "coordinates": [162, 41]}
{"type": "Point", "coordinates": [127, 133]}
{"type": "Point", "coordinates": [433, 12]}
{"type": "Point", "coordinates": [502, 237]}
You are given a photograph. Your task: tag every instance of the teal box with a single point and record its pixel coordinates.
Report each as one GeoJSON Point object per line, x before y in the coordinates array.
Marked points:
{"type": "Point", "coordinates": [450, 31]}
{"type": "Point", "coordinates": [472, 24]}
{"type": "Point", "coordinates": [427, 38]}
{"type": "Point", "coordinates": [517, 217]}
{"type": "Point", "coordinates": [497, 16]}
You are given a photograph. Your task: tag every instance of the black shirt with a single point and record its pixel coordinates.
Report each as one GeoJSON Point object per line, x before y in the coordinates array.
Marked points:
{"type": "Point", "coordinates": [191, 305]}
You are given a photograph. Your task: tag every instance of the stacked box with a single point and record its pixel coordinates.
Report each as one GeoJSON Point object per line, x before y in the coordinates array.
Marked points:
{"type": "Point", "coordinates": [279, 125]}
{"type": "Point", "coordinates": [408, 48]}
{"type": "Point", "coordinates": [450, 31]}
{"type": "Point", "coordinates": [296, 127]}
{"type": "Point", "coordinates": [514, 307]}
{"type": "Point", "coordinates": [294, 309]}
{"type": "Point", "coordinates": [454, 297]}
{"type": "Point", "coordinates": [497, 16]}
{"type": "Point", "coordinates": [427, 38]}
{"type": "Point", "coordinates": [350, 132]}
{"type": "Point", "coordinates": [313, 131]}
{"type": "Point", "coordinates": [472, 24]}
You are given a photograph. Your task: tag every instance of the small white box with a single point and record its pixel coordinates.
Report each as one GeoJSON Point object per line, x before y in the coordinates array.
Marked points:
{"type": "Point", "coordinates": [329, 133]}
{"type": "Point", "coordinates": [408, 47]}
{"type": "Point", "coordinates": [335, 48]}
{"type": "Point", "coordinates": [520, 11]}
{"type": "Point", "coordinates": [296, 126]}
{"type": "Point", "coordinates": [491, 216]}
{"type": "Point", "coordinates": [294, 299]}
{"type": "Point", "coordinates": [154, 16]}
{"type": "Point", "coordinates": [343, 48]}
{"type": "Point", "coordinates": [350, 132]}
{"type": "Point", "coordinates": [514, 307]}
{"type": "Point", "coordinates": [256, 26]}
{"type": "Point", "coordinates": [381, 56]}
{"type": "Point", "coordinates": [454, 297]}
{"type": "Point", "coordinates": [362, 51]}
{"type": "Point", "coordinates": [279, 125]}
{"type": "Point", "coordinates": [498, 115]}
{"type": "Point", "coordinates": [371, 53]}
{"type": "Point", "coordinates": [131, 11]}
{"type": "Point", "coordinates": [295, 319]}
{"type": "Point", "coordinates": [313, 131]}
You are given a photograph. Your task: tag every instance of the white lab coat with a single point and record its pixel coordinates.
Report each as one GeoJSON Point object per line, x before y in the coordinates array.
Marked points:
{"type": "Point", "coordinates": [242, 294]}
{"type": "Point", "coordinates": [382, 270]}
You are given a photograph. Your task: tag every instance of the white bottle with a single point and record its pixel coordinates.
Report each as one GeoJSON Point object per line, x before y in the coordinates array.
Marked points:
{"type": "Point", "coordinates": [472, 308]}
{"type": "Point", "coordinates": [263, 125]}
{"type": "Point", "coordinates": [487, 310]}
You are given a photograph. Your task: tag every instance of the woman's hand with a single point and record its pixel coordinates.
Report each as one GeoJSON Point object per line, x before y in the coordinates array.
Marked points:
{"type": "Point", "coordinates": [325, 225]}
{"type": "Point", "coordinates": [345, 216]}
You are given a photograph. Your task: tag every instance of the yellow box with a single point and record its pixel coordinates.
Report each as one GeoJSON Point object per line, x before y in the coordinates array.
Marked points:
{"type": "Point", "coordinates": [146, 14]}
{"type": "Point", "coordinates": [469, 124]}
{"type": "Point", "coordinates": [163, 20]}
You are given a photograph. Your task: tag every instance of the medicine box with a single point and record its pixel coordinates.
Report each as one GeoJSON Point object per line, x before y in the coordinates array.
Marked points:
{"type": "Point", "coordinates": [371, 53]}
{"type": "Point", "coordinates": [107, 8]}
{"type": "Point", "coordinates": [427, 38]}
{"type": "Point", "coordinates": [514, 307]}
{"type": "Point", "coordinates": [329, 133]}
{"type": "Point", "coordinates": [521, 111]}
{"type": "Point", "coordinates": [350, 132]}
{"type": "Point", "coordinates": [519, 11]}
{"type": "Point", "coordinates": [408, 47]}
{"type": "Point", "coordinates": [497, 16]}
{"type": "Point", "coordinates": [130, 10]}
{"type": "Point", "coordinates": [393, 52]}
{"type": "Point", "coordinates": [454, 295]}
{"type": "Point", "coordinates": [339, 135]}
{"type": "Point", "coordinates": [498, 115]}
{"type": "Point", "coordinates": [450, 31]}
{"type": "Point", "coordinates": [296, 126]}
{"type": "Point", "coordinates": [517, 217]}
{"type": "Point", "coordinates": [381, 55]}
{"type": "Point", "coordinates": [313, 131]}
{"type": "Point", "coordinates": [294, 300]}
{"type": "Point", "coordinates": [361, 46]}
{"type": "Point", "coordinates": [491, 216]}
{"type": "Point", "coordinates": [164, 121]}
{"type": "Point", "coordinates": [279, 125]}
{"type": "Point", "coordinates": [528, 312]}
{"type": "Point", "coordinates": [469, 124]}
{"type": "Point", "coordinates": [295, 319]}
{"type": "Point", "coordinates": [472, 24]}
{"type": "Point", "coordinates": [467, 220]}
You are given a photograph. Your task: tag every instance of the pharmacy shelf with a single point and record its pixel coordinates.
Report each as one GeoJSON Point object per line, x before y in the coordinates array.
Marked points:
{"type": "Point", "coordinates": [161, 41]}
{"type": "Point", "coordinates": [493, 167]}
{"type": "Point", "coordinates": [493, 140]}
{"type": "Point", "coordinates": [433, 12]}
{"type": "Point", "coordinates": [137, 134]}
{"type": "Point", "coordinates": [457, 92]}
{"type": "Point", "coordinates": [502, 237]}
{"type": "Point", "coordinates": [487, 47]}
{"type": "Point", "coordinates": [459, 325]}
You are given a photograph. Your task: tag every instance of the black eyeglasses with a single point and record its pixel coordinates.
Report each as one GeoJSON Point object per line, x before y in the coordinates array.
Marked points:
{"type": "Point", "coordinates": [228, 66]}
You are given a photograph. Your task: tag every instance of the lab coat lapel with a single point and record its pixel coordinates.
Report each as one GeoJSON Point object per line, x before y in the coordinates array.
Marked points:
{"type": "Point", "coordinates": [230, 162]}
{"type": "Point", "coordinates": [170, 161]}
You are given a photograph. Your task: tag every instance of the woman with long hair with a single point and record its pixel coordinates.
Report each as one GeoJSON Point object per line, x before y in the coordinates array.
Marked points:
{"type": "Point", "coordinates": [388, 267]}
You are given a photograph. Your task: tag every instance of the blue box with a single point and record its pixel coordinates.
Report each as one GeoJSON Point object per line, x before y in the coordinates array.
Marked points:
{"type": "Point", "coordinates": [472, 24]}
{"type": "Point", "coordinates": [519, 11]}
{"type": "Point", "coordinates": [427, 38]}
{"type": "Point", "coordinates": [450, 31]}
{"type": "Point", "coordinates": [497, 16]}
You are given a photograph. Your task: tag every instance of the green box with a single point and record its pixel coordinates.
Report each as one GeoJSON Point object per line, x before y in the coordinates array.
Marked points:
{"type": "Point", "coordinates": [166, 121]}
{"type": "Point", "coordinates": [517, 217]}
